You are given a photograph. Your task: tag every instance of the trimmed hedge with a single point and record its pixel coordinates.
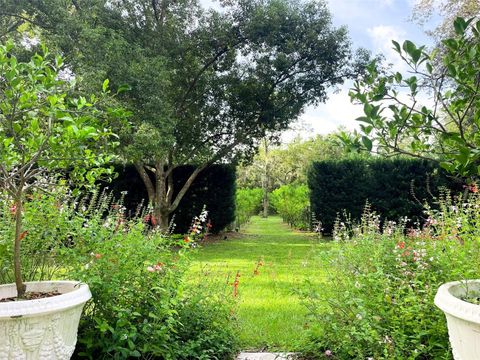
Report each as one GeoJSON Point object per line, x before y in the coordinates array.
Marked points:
{"type": "Point", "coordinates": [214, 188]}
{"type": "Point", "coordinates": [386, 184]}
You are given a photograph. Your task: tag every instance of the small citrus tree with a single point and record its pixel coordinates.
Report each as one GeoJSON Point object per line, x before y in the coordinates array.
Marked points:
{"type": "Point", "coordinates": [44, 129]}
{"type": "Point", "coordinates": [446, 128]}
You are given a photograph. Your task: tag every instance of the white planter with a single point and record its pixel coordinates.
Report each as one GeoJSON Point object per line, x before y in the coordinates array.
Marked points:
{"type": "Point", "coordinates": [41, 329]}
{"type": "Point", "coordinates": [463, 318]}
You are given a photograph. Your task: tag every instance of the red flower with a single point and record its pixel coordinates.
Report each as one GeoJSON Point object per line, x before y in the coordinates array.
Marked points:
{"type": "Point", "coordinates": [401, 245]}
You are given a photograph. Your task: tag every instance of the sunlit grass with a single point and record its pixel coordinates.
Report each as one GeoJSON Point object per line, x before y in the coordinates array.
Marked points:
{"type": "Point", "coordinates": [269, 312]}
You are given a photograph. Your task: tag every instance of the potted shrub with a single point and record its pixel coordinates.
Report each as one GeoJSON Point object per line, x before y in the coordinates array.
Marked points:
{"type": "Point", "coordinates": [43, 129]}
{"type": "Point", "coordinates": [444, 129]}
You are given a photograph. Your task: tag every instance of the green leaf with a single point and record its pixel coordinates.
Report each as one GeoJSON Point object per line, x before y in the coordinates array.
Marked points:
{"type": "Point", "coordinates": [429, 67]}
{"type": "Point", "coordinates": [367, 143]}
{"type": "Point", "coordinates": [448, 166]}
{"type": "Point", "coordinates": [364, 119]}
{"type": "Point", "coordinates": [452, 70]}
{"type": "Point", "coordinates": [105, 85]}
{"type": "Point", "coordinates": [396, 46]}
{"type": "Point", "coordinates": [460, 25]}
{"type": "Point", "coordinates": [409, 47]}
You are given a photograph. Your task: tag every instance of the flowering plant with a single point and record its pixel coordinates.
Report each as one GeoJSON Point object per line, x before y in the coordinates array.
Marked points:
{"type": "Point", "coordinates": [382, 279]}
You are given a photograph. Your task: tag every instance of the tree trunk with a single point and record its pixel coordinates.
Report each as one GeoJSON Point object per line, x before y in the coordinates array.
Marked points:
{"type": "Point", "coordinates": [266, 182]}
{"type": "Point", "coordinates": [16, 250]}
{"type": "Point", "coordinates": [265, 203]}
{"type": "Point", "coordinates": [160, 191]}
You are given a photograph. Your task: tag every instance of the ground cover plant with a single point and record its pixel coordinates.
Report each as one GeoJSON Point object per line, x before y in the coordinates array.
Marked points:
{"type": "Point", "coordinates": [378, 301]}
{"type": "Point", "coordinates": [271, 261]}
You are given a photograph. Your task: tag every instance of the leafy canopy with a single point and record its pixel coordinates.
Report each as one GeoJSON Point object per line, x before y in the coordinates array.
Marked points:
{"type": "Point", "coordinates": [204, 84]}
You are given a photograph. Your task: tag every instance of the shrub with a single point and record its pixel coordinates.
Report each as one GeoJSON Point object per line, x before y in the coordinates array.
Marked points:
{"type": "Point", "coordinates": [394, 188]}
{"type": "Point", "coordinates": [248, 202]}
{"type": "Point", "coordinates": [140, 306]}
{"type": "Point", "coordinates": [377, 302]}
{"type": "Point", "coordinates": [292, 203]}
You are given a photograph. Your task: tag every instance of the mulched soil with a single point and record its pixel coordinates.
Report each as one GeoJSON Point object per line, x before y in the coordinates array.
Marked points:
{"type": "Point", "coordinates": [31, 296]}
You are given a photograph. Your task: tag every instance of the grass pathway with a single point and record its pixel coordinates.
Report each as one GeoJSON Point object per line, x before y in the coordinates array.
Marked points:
{"type": "Point", "coordinates": [270, 314]}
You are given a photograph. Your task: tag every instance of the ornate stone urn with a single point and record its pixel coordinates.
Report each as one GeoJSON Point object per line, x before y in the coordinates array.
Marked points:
{"type": "Point", "coordinates": [463, 318]}
{"type": "Point", "coordinates": [41, 329]}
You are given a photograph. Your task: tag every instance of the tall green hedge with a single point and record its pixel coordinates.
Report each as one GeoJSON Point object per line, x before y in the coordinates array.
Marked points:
{"type": "Point", "coordinates": [214, 188]}
{"type": "Point", "coordinates": [336, 186]}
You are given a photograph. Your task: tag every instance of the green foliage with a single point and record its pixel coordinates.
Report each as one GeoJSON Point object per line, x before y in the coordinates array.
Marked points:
{"type": "Point", "coordinates": [377, 301]}
{"type": "Point", "coordinates": [48, 230]}
{"type": "Point", "coordinates": [447, 131]}
{"type": "Point", "coordinates": [292, 203]}
{"type": "Point", "coordinates": [288, 163]}
{"type": "Point", "coordinates": [248, 202]}
{"type": "Point", "coordinates": [43, 127]}
{"type": "Point", "coordinates": [395, 188]}
{"type": "Point", "coordinates": [205, 331]}
{"type": "Point", "coordinates": [140, 306]}
{"type": "Point", "coordinates": [214, 189]}
{"type": "Point", "coordinates": [193, 97]}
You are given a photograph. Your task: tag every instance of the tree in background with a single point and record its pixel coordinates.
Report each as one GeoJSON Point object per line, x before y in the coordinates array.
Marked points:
{"type": "Point", "coordinates": [248, 203]}
{"type": "Point", "coordinates": [445, 129]}
{"type": "Point", "coordinates": [205, 85]}
{"type": "Point", "coordinates": [424, 10]}
{"type": "Point", "coordinates": [292, 203]}
{"type": "Point", "coordinates": [290, 162]}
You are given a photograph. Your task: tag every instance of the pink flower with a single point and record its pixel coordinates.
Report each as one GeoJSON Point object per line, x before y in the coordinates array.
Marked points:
{"type": "Point", "coordinates": [328, 353]}
{"type": "Point", "coordinates": [156, 268]}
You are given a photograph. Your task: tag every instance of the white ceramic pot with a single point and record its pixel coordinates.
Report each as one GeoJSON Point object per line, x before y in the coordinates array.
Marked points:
{"type": "Point", "coordinates": [41, 329]}
{"type": "Point", "coordinates": [463, 318]}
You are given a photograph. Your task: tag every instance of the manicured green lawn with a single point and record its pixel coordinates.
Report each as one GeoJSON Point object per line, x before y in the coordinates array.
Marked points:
{"type": "Point", "coordinates": [269, 312]}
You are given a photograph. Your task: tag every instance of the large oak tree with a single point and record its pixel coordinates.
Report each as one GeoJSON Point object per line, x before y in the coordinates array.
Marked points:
{"type": "Point", "coordinates": [205, 85]}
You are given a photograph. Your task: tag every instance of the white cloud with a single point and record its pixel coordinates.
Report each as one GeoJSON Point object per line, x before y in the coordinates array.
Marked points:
{"type": "Point", "coordinates": [326, 118]}
{"type": "Point", "coordinates": [381, 37]}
